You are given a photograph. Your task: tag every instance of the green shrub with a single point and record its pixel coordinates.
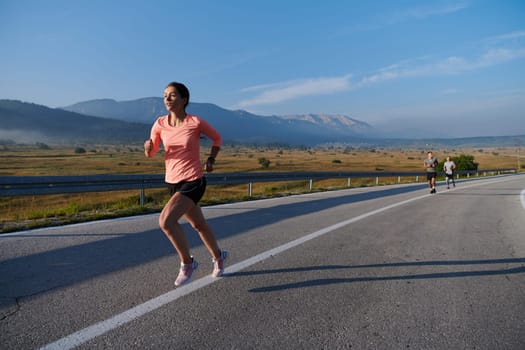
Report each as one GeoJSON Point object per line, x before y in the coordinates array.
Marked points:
{"type": "Point", "coordinates": [265, 163]}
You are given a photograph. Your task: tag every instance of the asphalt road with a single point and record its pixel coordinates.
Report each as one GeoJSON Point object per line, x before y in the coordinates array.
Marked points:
{"type": "Point", "coordinates": [388, 267]}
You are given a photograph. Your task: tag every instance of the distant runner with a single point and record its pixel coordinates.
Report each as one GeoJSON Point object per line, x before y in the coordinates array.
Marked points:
{"type": "Point", "coordinates": [448, 168]}
{"type": "Point", "coordinates": [430, 165]}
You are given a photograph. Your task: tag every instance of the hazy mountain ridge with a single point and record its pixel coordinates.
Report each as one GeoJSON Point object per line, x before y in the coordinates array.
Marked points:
{"type": "Point", "coordinates": [147, 109]}
{"type": "Point", "coordinates": [238, 125]}
{"type": "Point", "coordinates": [142, 110]}
{"type": "Point", "coordinates": [297, 129]}
{"type": "Point", "coordinates": [29, 123]}
{"type": "Point", "coordinates": [130, 122]}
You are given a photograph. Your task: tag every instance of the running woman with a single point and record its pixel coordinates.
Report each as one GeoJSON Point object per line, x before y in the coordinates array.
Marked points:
{"type": "Point", "coordinates": [180, 134]}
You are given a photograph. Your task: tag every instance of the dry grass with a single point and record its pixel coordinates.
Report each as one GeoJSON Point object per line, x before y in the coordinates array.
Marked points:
{"type": "Point", "coordinates": [35, 211]}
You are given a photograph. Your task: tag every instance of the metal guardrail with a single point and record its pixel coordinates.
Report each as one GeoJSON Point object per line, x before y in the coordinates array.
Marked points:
{"type": "Point", "coordinates": [11, 186]}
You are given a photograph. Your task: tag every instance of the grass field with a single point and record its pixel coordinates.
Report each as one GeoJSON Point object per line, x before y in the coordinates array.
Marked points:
{"type": "Point", "coordinates": [18, 213]}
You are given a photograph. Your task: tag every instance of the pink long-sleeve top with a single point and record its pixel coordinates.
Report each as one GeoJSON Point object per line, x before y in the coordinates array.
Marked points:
{"type": "Point", "coordinates": [182, 146]}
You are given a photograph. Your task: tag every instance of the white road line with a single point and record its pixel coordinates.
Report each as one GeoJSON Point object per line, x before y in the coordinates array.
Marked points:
{"type": "Point", "coordinates": [79, 224]}
{"type": "Point", "coordinates": [84, 335]}
{"type": "Point", "coordinates": [522, 197]}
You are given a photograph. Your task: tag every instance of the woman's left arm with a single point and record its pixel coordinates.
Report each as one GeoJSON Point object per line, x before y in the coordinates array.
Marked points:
{"type": "Point", "coordinates": [216, 138]}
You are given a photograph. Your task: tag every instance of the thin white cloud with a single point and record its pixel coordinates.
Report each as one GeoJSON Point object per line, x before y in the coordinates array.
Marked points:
{"type": "Point", "coordinates": [427, 11]}
{"type": "Point", "coordinates": [422, 67]}
{"type": "Point", "coordinates": [265, 86]}
{"type": "Point", "coordinates": [502, 55]}
{"type": "Point", "coordinates": [415, 13]}
{"type": "Point", "coordinates": [279, 92]}
{"type": "Point", "coordinates": [506, 37]}
{"type": "Point", "coordinates": [449, 65]}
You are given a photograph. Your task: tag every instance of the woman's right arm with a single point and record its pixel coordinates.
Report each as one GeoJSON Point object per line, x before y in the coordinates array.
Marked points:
{"type": "Point", "coordinates": [152, 145]}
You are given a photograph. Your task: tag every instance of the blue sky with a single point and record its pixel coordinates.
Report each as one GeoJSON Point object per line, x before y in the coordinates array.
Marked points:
{"type": "Point", "coordinates": [410, 68]}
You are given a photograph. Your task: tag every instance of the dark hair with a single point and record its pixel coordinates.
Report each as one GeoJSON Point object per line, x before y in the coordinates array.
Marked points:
{"type": "Point", "coordinates": [182, 90]}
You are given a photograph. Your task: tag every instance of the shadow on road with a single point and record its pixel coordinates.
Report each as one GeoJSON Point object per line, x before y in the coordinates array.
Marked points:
{"type": "Point", "coordinates": [436, 275]}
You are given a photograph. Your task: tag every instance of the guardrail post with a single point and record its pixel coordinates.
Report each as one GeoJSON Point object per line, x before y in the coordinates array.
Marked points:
{"type": "Point", "coordinates": [348, 183]}
{"type": "Point", "coordinates": [142, 196]}
{"type": "Point", "coordinates": [311, 184]}
{"type": "Point", "coordinates": [249, 189]}
{"type": "Point", "coordinates": [417, 178]}
{"type": "Point", "coordinates": [377, 180]}
{"type": "Point", "coordinates": [399, 179]}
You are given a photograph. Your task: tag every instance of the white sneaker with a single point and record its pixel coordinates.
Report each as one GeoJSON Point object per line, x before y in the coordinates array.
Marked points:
{"type": "Point", "coordinates": [185, 272]}
{"type": "Point", "coordinates": [218, 264]}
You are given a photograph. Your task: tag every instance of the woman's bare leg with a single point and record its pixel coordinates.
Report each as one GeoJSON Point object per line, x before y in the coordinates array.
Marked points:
{"type": "Point", "coordinates": [198, 222]}
{"type": "Point", "coordinates": [168, 222]}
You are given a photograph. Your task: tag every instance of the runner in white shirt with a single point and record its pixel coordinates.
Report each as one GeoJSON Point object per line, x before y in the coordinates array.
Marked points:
{"type": "Point", "coordinates": [448, 168]}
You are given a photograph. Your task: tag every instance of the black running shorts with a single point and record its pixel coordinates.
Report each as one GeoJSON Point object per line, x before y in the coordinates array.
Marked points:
{"type": "Point", "coordinates": [191, 189]}
{"type": "Point", "coordinates": [431, 176]}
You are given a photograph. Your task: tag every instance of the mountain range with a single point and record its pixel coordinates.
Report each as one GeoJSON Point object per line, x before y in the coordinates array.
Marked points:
{"type": "Point", "coordinates": [129, 122]}
{"type": "Point", "coordinates": [236, 126]}
{"type": "Point", "coordinates": [24, 122]}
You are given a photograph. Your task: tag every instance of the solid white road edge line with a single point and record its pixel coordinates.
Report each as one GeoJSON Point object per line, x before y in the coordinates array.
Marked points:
{"type": "Point", "coordinates": [84, 335]}
{"type": "Point", "coordinates": [522, 197]}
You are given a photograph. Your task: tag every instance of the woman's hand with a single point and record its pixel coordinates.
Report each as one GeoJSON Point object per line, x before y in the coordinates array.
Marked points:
{"type": "Point", "coordinates": [208, 166]}
{"type": "Point", "coordinates": [148, 146]}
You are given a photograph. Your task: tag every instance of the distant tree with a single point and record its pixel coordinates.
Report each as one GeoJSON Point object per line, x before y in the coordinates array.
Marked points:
{"type": "Point", "coordinates": [265, 163]}
{"type": "Point", "coordinates": [463, 162]}
{"type": "Point", "coordinates": [80, 150]}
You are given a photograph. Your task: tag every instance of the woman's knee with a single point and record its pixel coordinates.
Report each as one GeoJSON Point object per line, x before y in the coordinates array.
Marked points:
{"type": "Point", "coordinates": [166, 220]}
{"type": "Point", "coordinates": [162, 222]}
